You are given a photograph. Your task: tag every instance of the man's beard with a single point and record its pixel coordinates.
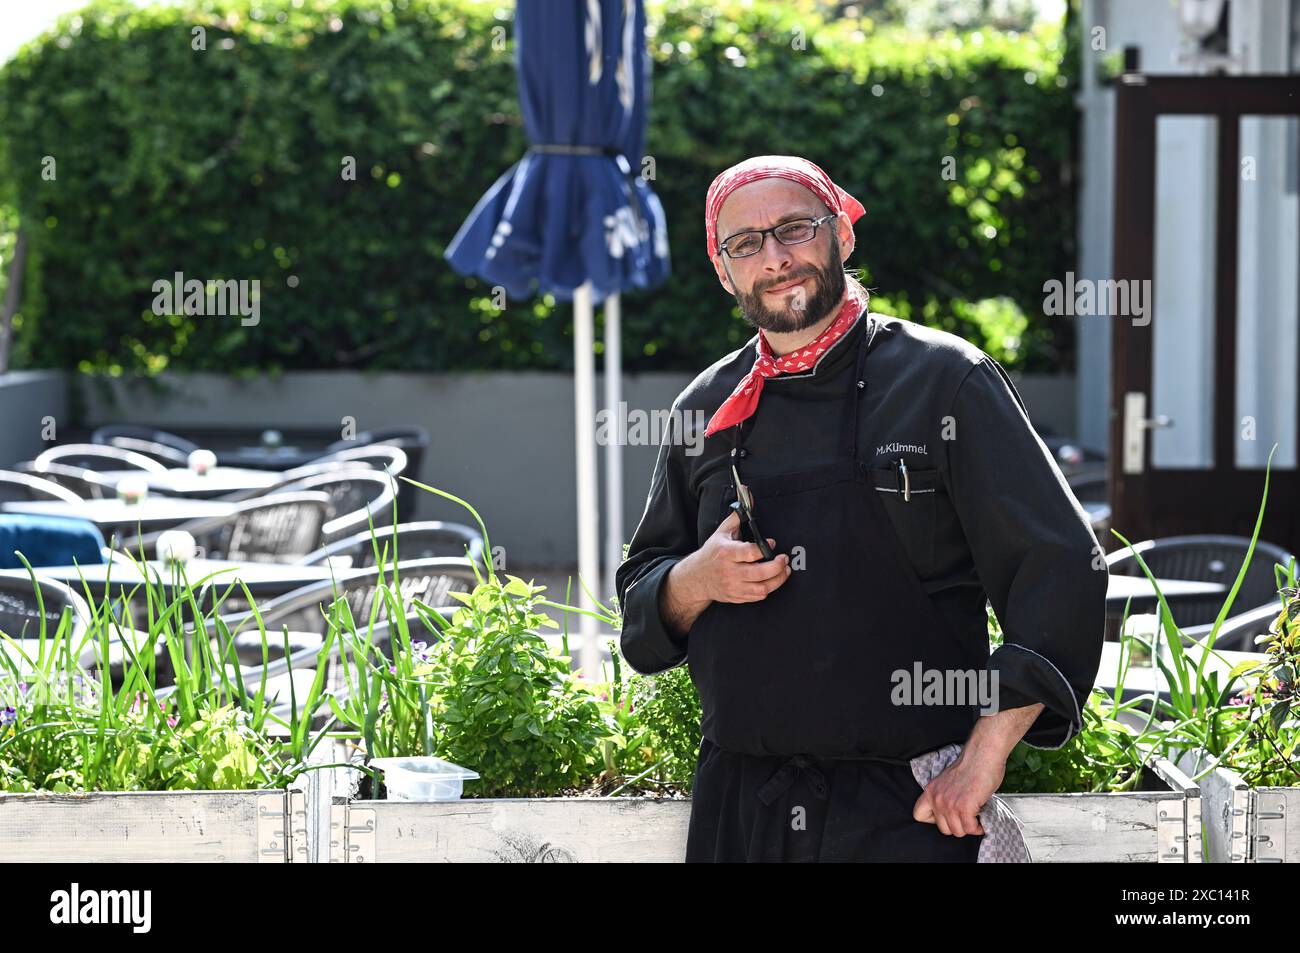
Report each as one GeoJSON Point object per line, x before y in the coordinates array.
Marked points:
{"type": "Point", "coordinates": [827, 294]}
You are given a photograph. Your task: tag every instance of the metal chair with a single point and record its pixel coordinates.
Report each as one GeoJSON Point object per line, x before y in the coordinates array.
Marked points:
{"type": "Point", "coordinates": [419, 630]}
{"type": "Point", "coordinates": [414, 541]}
{"type": "Point", "coordinates": [303, 614]}
{"type": "Point", "coordinates": [392, 460]}
{"type": "Point", "coordinates": [108, 434]}
{"type": "Point", "coordinates": [408, 438]}
{"type": "Point", "coordinates": [85, 484]}
{"type": "Point", "coordinates": [382, 459]}
{"type": "Point", "coordinates": [94, 456]}
{"type": "Point", "coordinates": [358, 497]}
{"type": "Point", "coordinates": [1092, 492]}
{"type": "Point", "coordinates": [20, 607]}
{"type": "Point", "coordinates": [21, 614]}
{"type": "Point", "coordinates": [428, 580]}
{"type": "Point", "coordinates": [1238, 632]}
{"type": "Point", "coordinates": [160, 452]}
{"type": "Point", "coordinates": [304, 638]}
{"type": "Point", "coordinates": [1206, 559]}
{"type": "Point", "coordinates": [413, 440]}
{"type": "Point", "coordinates": [382, 634]}
{"type": "Point", "coordinates": [298, 666]}
{"type": "Point", "coordinates": [1090, 489]}
{"type": "Point", "coordinates": [18, 487]}
{"type": "Point", "coordinates": [277, 529]}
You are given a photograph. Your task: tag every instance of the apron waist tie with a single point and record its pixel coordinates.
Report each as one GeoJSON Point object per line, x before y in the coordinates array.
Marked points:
{"type": "Point", "coordinates": [784, 776]}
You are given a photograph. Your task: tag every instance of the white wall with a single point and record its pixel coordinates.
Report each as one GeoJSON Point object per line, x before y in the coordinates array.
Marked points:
{"type": "Point", "coordinates": [1268, 260]}
{"type": "Point", "coordinates": [1152, 26]}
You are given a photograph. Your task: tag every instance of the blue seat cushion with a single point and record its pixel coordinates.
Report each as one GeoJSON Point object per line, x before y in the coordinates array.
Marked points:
{"type": "Point", "coordinates": [49, 541]}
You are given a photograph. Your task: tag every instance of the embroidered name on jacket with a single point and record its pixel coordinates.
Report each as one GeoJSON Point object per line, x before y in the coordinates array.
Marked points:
{"type": "Point", "coordinates": [902, 448]}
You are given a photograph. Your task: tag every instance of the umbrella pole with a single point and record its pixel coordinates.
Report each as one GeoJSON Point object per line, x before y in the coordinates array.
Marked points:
{"type": "Point", "coordinates": [614, 446]}
{"type": "Point", "coordinates": [584, 369]}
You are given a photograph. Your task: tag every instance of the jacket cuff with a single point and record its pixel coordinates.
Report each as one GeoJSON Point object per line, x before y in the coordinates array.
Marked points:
{"type": "Point", "coordinates": [1027, 678]}
{"type": "Point", "coordinates": [646, 644]}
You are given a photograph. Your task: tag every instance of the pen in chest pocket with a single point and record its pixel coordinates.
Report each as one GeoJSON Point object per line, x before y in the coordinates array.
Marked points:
{"type": "Point", "coordinates": [904, 481]}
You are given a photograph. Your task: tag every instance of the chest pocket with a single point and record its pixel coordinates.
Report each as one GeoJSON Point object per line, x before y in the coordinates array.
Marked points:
{"type": "Point", "coordinates": [913, 517]}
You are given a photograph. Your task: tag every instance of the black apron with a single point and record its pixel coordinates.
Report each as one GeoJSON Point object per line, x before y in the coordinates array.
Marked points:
{"type": "Point", "coordinates": [804, 755]}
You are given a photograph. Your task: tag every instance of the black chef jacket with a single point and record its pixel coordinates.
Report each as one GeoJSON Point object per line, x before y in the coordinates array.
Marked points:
{"type": "Point", "coordinates": [990, 518]}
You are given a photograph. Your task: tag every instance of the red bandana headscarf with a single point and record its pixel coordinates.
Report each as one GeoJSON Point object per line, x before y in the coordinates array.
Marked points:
{"type": "Point", "coordinates": [744, 399]}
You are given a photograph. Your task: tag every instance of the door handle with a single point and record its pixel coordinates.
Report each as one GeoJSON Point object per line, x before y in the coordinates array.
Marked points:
{"type": "Point", "coordinates": [1136, 425]}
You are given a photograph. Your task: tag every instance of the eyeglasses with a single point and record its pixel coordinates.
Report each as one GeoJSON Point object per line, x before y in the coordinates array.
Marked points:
{"type": "Point", "coordinates": [744, 244]}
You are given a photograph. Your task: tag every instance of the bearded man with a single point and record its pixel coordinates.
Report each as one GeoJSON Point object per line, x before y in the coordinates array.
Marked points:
{"type": "Point", "coordinates": [867, 485]}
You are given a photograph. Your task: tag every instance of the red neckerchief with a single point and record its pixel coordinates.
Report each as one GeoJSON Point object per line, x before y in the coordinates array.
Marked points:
{"type": "Point", "coordinates": [744, 399]}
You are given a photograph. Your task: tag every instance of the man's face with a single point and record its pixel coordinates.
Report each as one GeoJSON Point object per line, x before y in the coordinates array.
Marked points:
{"type": "Point", "coordinates": [808, 278]}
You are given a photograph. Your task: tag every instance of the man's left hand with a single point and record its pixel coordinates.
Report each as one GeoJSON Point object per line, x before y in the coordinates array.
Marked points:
{"type": "Point", "coordinates": [954, 798]}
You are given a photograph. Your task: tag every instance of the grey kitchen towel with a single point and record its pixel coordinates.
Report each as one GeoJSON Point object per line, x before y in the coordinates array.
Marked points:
{"type": "Point", "coordinates": [1004, 839]}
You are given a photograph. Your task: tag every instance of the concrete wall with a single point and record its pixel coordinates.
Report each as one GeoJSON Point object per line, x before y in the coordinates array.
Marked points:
{"type": "Point", "coordinates": [504, 442]}
{"type": "Point", "coordinates": [31, 403]}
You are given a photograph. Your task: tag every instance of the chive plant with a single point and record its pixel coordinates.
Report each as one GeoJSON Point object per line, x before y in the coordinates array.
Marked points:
{"type": "Point", "coordinates": [81, 729]}
{"type": "Point", "coordinates": [1226, 721]}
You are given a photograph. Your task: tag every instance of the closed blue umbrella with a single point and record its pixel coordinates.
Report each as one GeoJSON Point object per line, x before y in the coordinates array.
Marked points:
{"type": "Point", "coordinates": [575, 207]}
{"type": "Point", "coordinates": [574, 217]}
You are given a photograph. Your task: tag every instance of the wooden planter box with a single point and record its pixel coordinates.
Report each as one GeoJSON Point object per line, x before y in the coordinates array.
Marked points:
{"type": "Point", "coordinates": [266, 827]}
{"type": "Point", "coordinates": [1245, 825]}
{"type": "Point", "coordinates": [510, 830]}
{"type": "Point", "coordinates": [1160, 824]}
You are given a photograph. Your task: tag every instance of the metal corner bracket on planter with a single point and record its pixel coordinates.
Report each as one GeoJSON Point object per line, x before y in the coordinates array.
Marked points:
{"type": "Point", "coordinates": [1245, 825]}
{"type": "Point", "coordinates": [266, 827]}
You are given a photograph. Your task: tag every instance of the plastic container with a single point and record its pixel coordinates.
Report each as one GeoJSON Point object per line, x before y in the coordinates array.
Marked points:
{"type": "Point", "coordinates": [422, 779]}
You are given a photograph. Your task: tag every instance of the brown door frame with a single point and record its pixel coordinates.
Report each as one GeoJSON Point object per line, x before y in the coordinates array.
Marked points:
{"type": "Point", "coordinates": [1224, 499]}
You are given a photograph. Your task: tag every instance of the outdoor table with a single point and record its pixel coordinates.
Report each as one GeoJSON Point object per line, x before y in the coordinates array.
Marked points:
{"type": "Point", "coordinates": [1120, 589]}
{"type": "Point", "coordinates": [1098, 513]}
{"type": "Point", "coordinates": [267, 458]}
{"type": "Point", "coordinates": [264, 580]}
{"type": "Point", "coordinates": [1142, 679]}
{"type": "Point", "coordinates": [116, 516]}
{"type": "Point", "coordinates": [219, 481]}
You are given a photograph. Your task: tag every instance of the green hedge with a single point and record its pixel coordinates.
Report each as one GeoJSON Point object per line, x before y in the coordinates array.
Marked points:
{"type": "Point", "coordinates": [225, 163]}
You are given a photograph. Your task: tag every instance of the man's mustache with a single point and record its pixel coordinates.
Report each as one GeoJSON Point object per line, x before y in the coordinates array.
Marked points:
{"type": "Point", "coordinates": [786, 281]}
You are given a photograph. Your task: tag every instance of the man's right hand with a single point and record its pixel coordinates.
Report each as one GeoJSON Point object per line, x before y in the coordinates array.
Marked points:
{"type": "Point", "coordinates": [724, 569]}
{"type": "Point", "coordinates": [730, 569]}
